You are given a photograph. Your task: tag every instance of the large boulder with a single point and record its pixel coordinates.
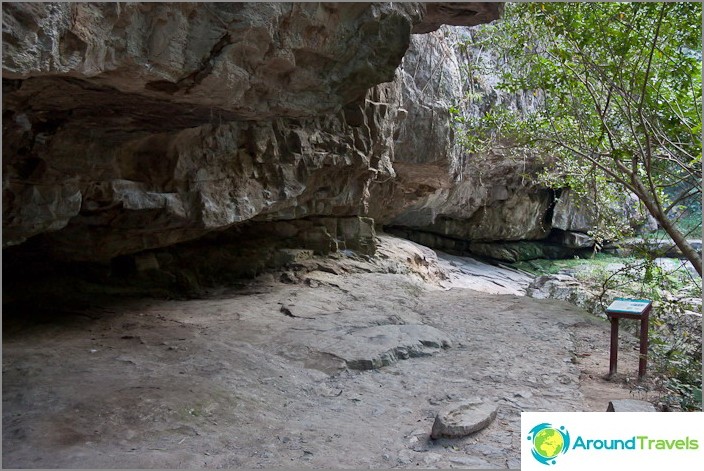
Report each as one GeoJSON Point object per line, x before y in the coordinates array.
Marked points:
{"type": "Point", "coordinates": [465, 418]}
{"type": "Point", "coordinates": [439, 188]}
{"type": "Point", "coordinates": [566, 288]}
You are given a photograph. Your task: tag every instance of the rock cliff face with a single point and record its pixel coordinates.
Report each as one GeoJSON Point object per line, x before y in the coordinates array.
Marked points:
{"type": "Point", "coordinates": [450, 196]}
{"type": "Point", "coordinates": [136, 127]}
{"type": "Point", "coordinates": [487, 203]}
{"type": "Point", "coordinates": [130, 127]}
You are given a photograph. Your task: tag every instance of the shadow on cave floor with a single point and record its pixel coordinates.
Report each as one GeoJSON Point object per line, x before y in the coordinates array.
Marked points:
{"type": "Point", "coordinates": [328, 362]}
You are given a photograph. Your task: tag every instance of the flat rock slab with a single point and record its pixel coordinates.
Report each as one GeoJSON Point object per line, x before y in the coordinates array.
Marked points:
{"type": "Point", "coordinates": [370, 348]}
{"type": "Point", "coordinates": [464, 418]}
{"type": "Point", "coordinates": [630, 405]}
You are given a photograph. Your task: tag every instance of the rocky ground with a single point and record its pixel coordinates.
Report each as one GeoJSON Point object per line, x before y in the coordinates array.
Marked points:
{"type": "Point", "coordinates": [337, 362]}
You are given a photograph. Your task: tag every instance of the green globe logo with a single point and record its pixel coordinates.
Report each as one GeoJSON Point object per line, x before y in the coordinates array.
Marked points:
{"type": "Point", "coordinates": [548, 442]}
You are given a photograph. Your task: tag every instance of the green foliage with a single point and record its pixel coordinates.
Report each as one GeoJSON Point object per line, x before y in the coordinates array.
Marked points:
{"type": "Point", "coordinates": [620, 96]}
{"type": "Point", "coordinates": [619, 88]}
{"type": "Point", "coordinates": [675, 353]}
{"type": "Point", "coordinates": [689, 223]}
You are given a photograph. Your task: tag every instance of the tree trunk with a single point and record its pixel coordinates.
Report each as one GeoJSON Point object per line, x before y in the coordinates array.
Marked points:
{"type": "Point", "coordinates": [677, 237]}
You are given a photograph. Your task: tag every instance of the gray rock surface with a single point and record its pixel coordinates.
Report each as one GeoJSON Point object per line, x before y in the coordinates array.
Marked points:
{"type": "Point", "coordinates": [630, 405]}
{"type": "Point", "coordinates": [229, 381]}
{"type": "Point", "coordinates": [132, 127]}
{"type": "Point", "coordinates": [486, 278]}
{"type": "Point", "coordinates": [570, 214]}
{"type": "Point", "coordinates": [519, 251]}
{"type": "Point", "coordinates": [374, 347]}
{"type": "Point", "coordinates": [439, 189]}
{"type": "Point", "coordinates": [573, 214]}
{"type": "Point", "coordinates": [139, 126]}
{"type": "Point", "coordinates": [256, 60]}
{"type": "Point", "coordinates": [464, 418]}
{"type": "Point", "coordinates": [457, 14]}
{"type": "Point", "coordinates": [576, 240]}
{"type": "Point", "coordinates": [159, 189]}
{"type": "Point", "coordinates": [565, 288]}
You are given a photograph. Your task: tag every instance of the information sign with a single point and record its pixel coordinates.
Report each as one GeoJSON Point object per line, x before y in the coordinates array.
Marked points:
{"type": "Point", "coordinates": [628, 306]}
{"type": "Point", "coordinates": [629, 309]}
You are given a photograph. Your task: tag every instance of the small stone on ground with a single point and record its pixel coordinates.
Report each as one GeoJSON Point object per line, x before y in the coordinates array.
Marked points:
{"type": "Point", "coordinates": [459, 420]}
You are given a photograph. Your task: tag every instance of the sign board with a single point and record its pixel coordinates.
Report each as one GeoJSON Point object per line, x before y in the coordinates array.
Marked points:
{"type": "Point", "coordinates": [628, 306]}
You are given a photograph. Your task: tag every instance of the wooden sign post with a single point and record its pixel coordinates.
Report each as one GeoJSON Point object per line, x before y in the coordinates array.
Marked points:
{"type": "Point", "coordinates": [629, 309]}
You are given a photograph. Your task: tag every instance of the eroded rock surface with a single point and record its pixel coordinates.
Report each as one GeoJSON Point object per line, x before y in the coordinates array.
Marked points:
{"type": "Point", "coordinates": [134, 126]}
{"type": "Point", "coordinates": [370, 348]}
{"type": "Point", "coordinates": [439, 188]}
{"type": "Point", "coordinates": [96, 98]}
{"type": "Point", "coordinates": [255, 60]}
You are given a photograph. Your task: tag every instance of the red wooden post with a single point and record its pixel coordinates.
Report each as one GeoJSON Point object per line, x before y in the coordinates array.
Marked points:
{"type": "Point", "coordinates": [613, 355]}
{"type": "Point", "coordinates": [644, 321]}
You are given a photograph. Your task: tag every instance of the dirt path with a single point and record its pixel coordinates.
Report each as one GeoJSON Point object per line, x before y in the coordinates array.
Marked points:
{"type": "Point", "coordinates": [275, 374]}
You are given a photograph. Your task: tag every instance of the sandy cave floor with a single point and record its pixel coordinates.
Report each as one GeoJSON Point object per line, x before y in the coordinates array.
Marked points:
{"type": "Point", "coordinates": [259, 375]}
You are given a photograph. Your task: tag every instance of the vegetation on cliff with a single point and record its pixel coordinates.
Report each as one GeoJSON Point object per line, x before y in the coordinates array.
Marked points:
{"type": "Point", "coordinates": [620, 91]}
